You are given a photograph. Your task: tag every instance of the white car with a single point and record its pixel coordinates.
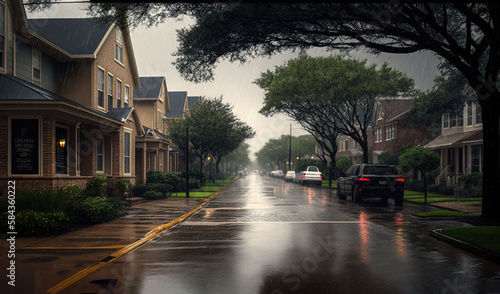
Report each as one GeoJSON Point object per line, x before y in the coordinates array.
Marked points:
{"type": "Point", "coordinates": [311, 175]}
{"type": "Point", "coordinates": [290, 176]}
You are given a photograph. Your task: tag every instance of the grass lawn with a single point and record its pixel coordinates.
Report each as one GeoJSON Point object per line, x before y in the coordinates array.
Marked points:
{"type": "Point", "coordinates": [487, 237]}
{"type": "Point", "coordinates": [439, 213]}
{"type": "Point", "coordinates": [418, 197]}
{"type": "Point", "coordinates": [192, 194]}
{"type": "Point", "coordinates": [324, 184]}
{"type": "Point", "coordinates": [210, 188]}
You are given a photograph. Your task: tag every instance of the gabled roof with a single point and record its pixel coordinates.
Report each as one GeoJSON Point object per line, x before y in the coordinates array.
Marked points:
{"type": "Point", "coordinates": [121, 114]}
{"type": "Point", "coordinates": [394, 109]}
{"type": "Point", "coordinates": [192, 100]}
{"type": "Point", "coordinates": [150, 88]}
{"type": "Point", "coordinates": [153, 133]}
{"type": "Point", "coordinates": [177, 100]}
{"type": "Point", "coordinates": [77, 36]}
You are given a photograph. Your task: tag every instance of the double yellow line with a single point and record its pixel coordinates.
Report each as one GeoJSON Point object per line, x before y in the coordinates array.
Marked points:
{"type": "Point", "coordinates": [124, 249]}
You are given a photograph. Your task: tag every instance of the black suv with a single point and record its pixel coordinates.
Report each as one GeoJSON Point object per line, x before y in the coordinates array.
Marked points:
{"type": "Point", "coordinates": [371, 181]}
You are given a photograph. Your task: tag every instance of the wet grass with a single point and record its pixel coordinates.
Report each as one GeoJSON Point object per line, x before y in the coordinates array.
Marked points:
{"type": "Point", "coordinates": [324, 184]}
{"type": "Point", "coordinates": [210, 188]}
{"type": "Point", "coordinates": [443, 213]}
{"type": "Point", "coordinates": [192, 194]}
{"type": "Point", "coordinates": [486, 237]}
{"type": "Point", "coordinates": [419, 198]}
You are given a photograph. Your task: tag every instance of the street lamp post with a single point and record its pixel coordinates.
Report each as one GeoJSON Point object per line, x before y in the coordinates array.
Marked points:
{"type": "Point", "coordinates": [290, 150]}
{"type": "Point", "coordinates": [187, 161]}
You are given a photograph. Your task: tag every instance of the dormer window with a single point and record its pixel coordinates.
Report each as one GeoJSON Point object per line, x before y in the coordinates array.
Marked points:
{"type": "Point", "coordinates": [118, 46]}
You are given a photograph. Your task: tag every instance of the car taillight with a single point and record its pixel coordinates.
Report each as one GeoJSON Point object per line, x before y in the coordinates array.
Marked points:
{"type": "Point", "coordinates": [364, 179]}
{"type": "Point", "coordinates": [320, 175]}
{"type": "Point", "coordinates": [303, 175]}
{"type": "Point", "coordinates": [400, 180]}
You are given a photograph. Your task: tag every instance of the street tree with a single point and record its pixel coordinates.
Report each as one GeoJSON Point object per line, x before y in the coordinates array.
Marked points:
{"type": "Point", "coordinates": [329, 96]}
{"type": "Point", "coordinates": [343, 164]}
{"type": "Point", "coordinates": [239, 157]}
{"type": "Point", "coordinates": [464, 34]}
{"type": "Point", "coordinates": [213, 129]}
{"type": "Point", "coordinates": [420, 159]}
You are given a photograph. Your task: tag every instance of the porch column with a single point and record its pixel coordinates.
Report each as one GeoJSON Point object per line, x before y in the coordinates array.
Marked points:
{"type": "Point", "coordinates": [117, 151]}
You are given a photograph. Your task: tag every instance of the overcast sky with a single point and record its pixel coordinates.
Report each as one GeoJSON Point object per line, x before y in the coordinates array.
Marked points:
{"type": "Point", "coordinates": [153, 48]}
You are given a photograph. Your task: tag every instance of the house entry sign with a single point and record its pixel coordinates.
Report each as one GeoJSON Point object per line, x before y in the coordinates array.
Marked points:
{"type": "Point", "coordinates": [24, 148]}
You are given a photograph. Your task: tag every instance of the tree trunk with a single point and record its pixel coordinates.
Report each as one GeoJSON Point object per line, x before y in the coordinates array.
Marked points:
{"type": "Point", "coordinates": [491, 170]}
{"type": "Point", "coordinates": [332, 168]}
{"type": "Point", "coordinates": [364, 147]}
{"type": "Point", "coordinates": [425, 187]}
{"type": "Point", "coordinates": [201, 170]}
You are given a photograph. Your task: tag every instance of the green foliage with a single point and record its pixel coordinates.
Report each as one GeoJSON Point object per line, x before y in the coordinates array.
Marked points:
{"type": "Point", "coordinates": [420, 159]}
{"type": "Point", "coordinates": [97, 186]}
{"type": "Point", "coordinates": [446, 190]}
{"type": "Point", "coordinates": [123, 185]}
{"type": "Point", "coordinates": [95, 210]}
{"type": "Point", "coordinates": [471, 180]}
{"type": "Point", "coordinates": [343, 164]}
{"type": "Point", "coordinates": [154, 195]}
{"type": "Point", "coordinates": [42, 201]}
{"type": "Point", "coordinates": [35, 223]}
{"type": "Point", "coordinates": [387, 158]}
{"type": "Point", "coordinates": [142, 189]}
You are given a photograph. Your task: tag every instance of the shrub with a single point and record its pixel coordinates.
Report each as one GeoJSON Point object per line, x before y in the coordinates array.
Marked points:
{"type": "Point", "coordinates": [194, 184]}
{"type": "Point", "coordinates": [123, 185]}
{"type": "Point", "coordinates": [433, 188]}
{"type": "Point", "coordinates": [97, 186]}
{"type": "Point", "coordinates": [446, 190]}
{"type": "Point", "coordinates": [155, 177]}
{"type": "Point", "coordinates": [343, 164]}
{"type": "Point", "coordinates": [153, 195]}
{"type": "Point", "coordinates": [95, 210]}
{"type": "Point", "coordinates": [471, 180]}
{"type": "Point", "coordinates": [29, 222]}
{"type": "Point", "coordinates": [141, 190]}
{"type": "Point", "coordinates": [477, 192]}
{"type": "Point", "coordinates": [45, 200]}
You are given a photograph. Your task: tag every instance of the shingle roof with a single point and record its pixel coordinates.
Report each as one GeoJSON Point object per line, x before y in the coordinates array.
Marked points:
{"type": "Point", "coordinates": [74, 35]}
{"type": "Point", "coordinates": [150, 87]}
{"type": "Point", "coordinates": [395, 108]}
{"type": "Point", "coordinates": [120, 114]}
{"type": "Point", "coordinates": [176, 100]}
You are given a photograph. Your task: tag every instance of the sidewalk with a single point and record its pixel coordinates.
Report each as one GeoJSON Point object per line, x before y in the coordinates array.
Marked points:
{"type": "Point", "coordinates": [43, 262]}
{"type": "Point", "coordinates": [462, 206]}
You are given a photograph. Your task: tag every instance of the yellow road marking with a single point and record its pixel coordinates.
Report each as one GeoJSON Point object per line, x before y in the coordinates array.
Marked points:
{"type": "Point", "coordinates": [150, 235]}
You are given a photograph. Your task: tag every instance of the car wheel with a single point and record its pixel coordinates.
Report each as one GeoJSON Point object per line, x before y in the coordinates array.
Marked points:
{"type": "Point", "coordinates": [355, 196]}
{"type": "Point", "coordinates": [339, 195]}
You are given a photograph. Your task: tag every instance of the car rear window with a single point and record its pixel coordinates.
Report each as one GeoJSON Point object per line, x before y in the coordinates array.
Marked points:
{"type": "Point", "coordinates": [313, 169]}
{"type": "Point", "coordinates": [380, 170]}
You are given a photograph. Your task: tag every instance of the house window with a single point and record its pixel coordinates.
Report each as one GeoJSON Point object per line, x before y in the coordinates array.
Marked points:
{"type": "Point", "coordinates": [457, 119]}
{"type": "Point", "coordinates": [36, 66]}
{"type": "Point", "coordinates": [125, 99]}
{"type": "Point", "coordinates": [118, 46]}
{"type": "Point", "coordinates": [446, 118]}
{"type": "Point", "coordinates": [378, 135]}
{"type": "Point", "coordinates": [100, 155]}
{"type": "Point", "coordinates": [159, 122]}
{"type": "Point", "coordinates": [469, 114]}
{"type": "Point", "coordinates": [479, 114]}
{"type": "Point", "coordinates": [126, 153]}
{"type": "Point", "coordinates": [61, 150]}
{"type": "Point", "coordinates": [118, 93]}
{"type": "Point", "coordinates": [100, 87]}
{"type": "Point", "coordinates": [390, 132]}
{"type": "Point", "coordinates": [110, 91]}
{"type": "Point", "coordinates": [476, 162]}
{"type": "Point", "coordinates": [2, 35]}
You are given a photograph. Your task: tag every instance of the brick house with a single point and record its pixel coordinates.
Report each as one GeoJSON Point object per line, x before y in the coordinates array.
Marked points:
{"type": "Point", "coordinates": [390, 131]}
{"type": "Point", "coordinates": [152, 149]}
{"type": "Point", "coordinates": [66, 107]}
{"type": "Point", "coordinates": [460, 144]}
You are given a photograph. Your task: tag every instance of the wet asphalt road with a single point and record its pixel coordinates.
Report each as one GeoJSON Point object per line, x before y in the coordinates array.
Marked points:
{"type": "Point", "coordinates": [267, 236]}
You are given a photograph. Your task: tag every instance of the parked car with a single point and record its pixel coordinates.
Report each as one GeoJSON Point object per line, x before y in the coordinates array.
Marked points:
{"type": "Point", "coordinates": [277, 174]}
{"type": "Point", "coordinates": [363, 181]}
{"type": "Point", "coordinates": [290, 176]}
{"type": "Point", "coordinates": [310, 175]}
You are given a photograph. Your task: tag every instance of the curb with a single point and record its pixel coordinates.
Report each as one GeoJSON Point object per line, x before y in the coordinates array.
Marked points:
{"type": "Point", "coordinates": [147, 237]}
{"type": "Point", "coordinates": [466, 246]}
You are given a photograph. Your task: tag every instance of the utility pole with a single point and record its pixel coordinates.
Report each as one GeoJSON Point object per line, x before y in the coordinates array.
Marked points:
{"type": "Point", "coordinates": [187, 161]}
{"type": "Point", "coordinates": [290, 150]}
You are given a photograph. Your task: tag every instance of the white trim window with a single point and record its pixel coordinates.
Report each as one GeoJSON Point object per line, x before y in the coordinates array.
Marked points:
{"type": "Point", "coordinates": [159, 117]}
{"type": "Point", "coordinates": [100, 87]}
{"type": "Point", "coordinates": [378, 135]}
{"type": "Point", "coordinates": [446, 120]}
{"type": "Point", "coordinates": [125, 99]}
{"type": "Point", "coordinates": [99, 155]}
{"type": "Point", "coordinates": [118, 93]}
{"type": "Point", "coordinates": [390, 132]}
{"type": "Point", "coordinates": [126, 152]}
{"type": "Point", "coordinates": [110, 91]}
{"type": "Point", "coordinates": [2, 35]}
{"type": "Point", "coordinates": [469, 114]}
{"type": "Point", "coordinates": [479, 115]}
{"type": "Point", "coordinates": [118, 46]}
{"type": "Point", "coordinates": [37, 66]}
